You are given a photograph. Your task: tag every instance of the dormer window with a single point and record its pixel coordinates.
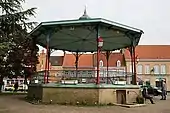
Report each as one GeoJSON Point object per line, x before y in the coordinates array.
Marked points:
{"type": "Point", "coordinates": [101, 63]}
{"type": "Point", "coordinates": [118, 63]}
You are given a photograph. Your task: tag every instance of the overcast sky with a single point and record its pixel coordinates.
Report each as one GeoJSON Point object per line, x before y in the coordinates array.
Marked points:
{"type": "Point", "coordinates": [152, 16]}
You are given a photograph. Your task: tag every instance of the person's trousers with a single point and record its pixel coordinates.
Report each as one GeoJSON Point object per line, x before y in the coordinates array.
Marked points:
{"type": "Point", "coordinates": [150, 98]}
{"type": "Point", "coordinates": [163, 95]}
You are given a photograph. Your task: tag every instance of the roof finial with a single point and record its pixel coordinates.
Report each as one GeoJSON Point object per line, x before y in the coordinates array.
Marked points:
{"type": "Point", "coordinates": [85, 12]}
{"type": "Point", "coordinates": [84, 16]}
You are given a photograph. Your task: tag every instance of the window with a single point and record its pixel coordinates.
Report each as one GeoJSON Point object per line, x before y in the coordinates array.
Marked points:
{"type": "Point", "coordinates": [148, 83]}
{"type": "Point", "coordinates": [56, 75]}
{"type": "Point", "coordinates": [12, 82]}
{"type": "Point", "coordinates": [147, 71]}
{"type": "Point", "coordinates": [72, 72]}
{"type": "Point", "coordinates": [84, 72]}
{"type": "Point", "coordinates": [156, 69]}
{"type": "Point", "coordinates": [89, 72]}
{"type": "Point", "coordinates": [139, 70]}
{"type": "Point", "coordinates": [8, 81]}
{"type": "Point", "coordinates": [158, 83]}
{"type": "Point", "coordinates": [118, 63]}
{"type": "Point", "coordinates": [79, 72]}
{"type": "Point", "coordinates": [101, 63]}
{"type": "Point", "coordinates": [163, 69]}
{"type": "Point", "coordinates": [66, 72]}
{"type": "Point", "coordinates": [21, 81]}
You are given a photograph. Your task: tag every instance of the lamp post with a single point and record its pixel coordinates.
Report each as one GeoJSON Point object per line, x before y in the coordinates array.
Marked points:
{"type": "Point", "coordinates": [99, 46]}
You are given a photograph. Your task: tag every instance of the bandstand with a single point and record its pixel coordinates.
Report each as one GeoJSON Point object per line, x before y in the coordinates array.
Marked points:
{"type": "Point", "coordinates": [85, 35]}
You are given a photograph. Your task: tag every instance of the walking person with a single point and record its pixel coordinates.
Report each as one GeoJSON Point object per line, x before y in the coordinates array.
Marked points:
{"type": "Point", "coordinates": [3, 87]}
{"type": "Point", "coordinates": [0, 87]}
{"type": "Point", "coordinates": [16, 87]}
{"type": "Point", "coordinates": [1, 80]}
{"type": "Point", "coordinates": [147, 96]}
{"type": "Point", "coordinates": [164, 90]}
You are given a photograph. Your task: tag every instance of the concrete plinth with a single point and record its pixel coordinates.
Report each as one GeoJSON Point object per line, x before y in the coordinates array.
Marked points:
{"type": "Point", "coordinates": [84, 93]}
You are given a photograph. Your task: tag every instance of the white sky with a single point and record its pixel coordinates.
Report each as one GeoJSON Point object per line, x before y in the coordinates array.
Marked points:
{"type": "Point", "coordinates": [152, 16]}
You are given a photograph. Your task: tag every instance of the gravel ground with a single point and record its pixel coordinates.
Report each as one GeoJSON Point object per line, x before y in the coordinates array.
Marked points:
{"type": "Point", "coordinates": [17, 104]}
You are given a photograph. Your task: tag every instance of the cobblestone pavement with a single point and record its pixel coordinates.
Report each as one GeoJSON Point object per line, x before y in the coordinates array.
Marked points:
{"type": "Point", "coordinates": [16, 104]}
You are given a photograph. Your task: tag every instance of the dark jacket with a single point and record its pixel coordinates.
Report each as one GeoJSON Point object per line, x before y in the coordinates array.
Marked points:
{"type": "Point", "coordinates": [144, 92]}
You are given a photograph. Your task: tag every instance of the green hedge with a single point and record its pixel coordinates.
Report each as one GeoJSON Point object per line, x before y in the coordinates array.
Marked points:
{"type": "Point", "coordinates": [140, 100]}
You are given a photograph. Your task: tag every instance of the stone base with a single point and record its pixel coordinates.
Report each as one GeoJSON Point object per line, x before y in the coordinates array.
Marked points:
{"type": "Point", "coordinates": [131, 105]}
{"type": "Point", "coordinates": [85, 94]}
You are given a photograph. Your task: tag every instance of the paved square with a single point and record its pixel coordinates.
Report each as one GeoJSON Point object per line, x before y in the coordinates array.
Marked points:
{"type": "Point", "coordinates": [16, 104]}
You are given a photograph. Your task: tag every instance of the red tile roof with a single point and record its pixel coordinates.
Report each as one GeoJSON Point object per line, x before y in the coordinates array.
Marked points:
{"type": "Point", "coordinates": [90, 60]}
{"type": "Point", "coordinates": [151, 52]}
{"type": "Point", "coordinates": [85, 60]}
{"type": "Point", "coordinates": [113, 58]}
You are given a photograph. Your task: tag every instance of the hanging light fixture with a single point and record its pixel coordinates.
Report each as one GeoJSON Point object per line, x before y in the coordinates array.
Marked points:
{"type": "Point", "coordinates": [100, 42]}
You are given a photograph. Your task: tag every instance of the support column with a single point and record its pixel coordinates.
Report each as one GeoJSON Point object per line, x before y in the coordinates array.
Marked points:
{"type": "Point", "coordinates": [125, 64]}
{"type": "Point", "coordinates": [30, 76]}
{"type": "Point", "coordinates": [48, 65]}
{"type": "Point", "coordinates": [77, 56]}
{"type": "Point", "coordinates": [133, 38]}
{"type": "Point", "coordinates": [98, 55]}
{"type": "Point", "coordinates": [98, 68]}
{"type": "Point", "coordinates": [64, 53]}
{"type": "Point", "coordinates": [131, 56]}
{"type": "Point", "coordinates": [126, 72]}
{"type": "Point", "coordinates": [76, 63]}
{"type": "Point", "coordinates": [45, 71]}
{"type": "Point", "coordinates": [32, 68]}
{"type": "Point", "coordinates": [63, 76]}
{"type": "Point", "coordinates": [46, 74]}
{"type": "Point", "coordinates": [107, 55]}
{"type": "Point", "coordinates": [134, 62]}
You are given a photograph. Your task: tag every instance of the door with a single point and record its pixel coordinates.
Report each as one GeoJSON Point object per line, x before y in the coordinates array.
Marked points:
{"type": "Point", "coordinates": [121, 96]}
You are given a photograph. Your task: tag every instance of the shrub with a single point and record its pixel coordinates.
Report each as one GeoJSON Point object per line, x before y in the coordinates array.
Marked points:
{"type": "Point", "coordinates": [139, 100]}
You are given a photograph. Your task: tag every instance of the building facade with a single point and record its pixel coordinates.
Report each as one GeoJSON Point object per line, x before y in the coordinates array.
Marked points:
{"type": "Point", "coordinates": [116, 64]}
{"type": "Point", "coordinates": [56, 69]}
{"type": "Point", "coordinates": [152, 64]}
{"type": "Point", "coordinates": [64, 66]}
{"type": "Point", "coordinates": [84, 66]}
{"type": "Point", "coordinates": [87, 66]}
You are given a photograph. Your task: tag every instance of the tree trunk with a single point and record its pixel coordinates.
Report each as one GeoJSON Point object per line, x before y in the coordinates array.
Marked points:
{"type": "Point", "coordinates": [0, 87]}
{"type": "Point", "coordinates": [25, 80]}
{"type": "Point", "coordinates": [1, 83]}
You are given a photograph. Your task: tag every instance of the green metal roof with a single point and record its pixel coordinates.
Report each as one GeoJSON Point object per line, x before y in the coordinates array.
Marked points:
{"type": "Point", "coordinates": [80, 34]}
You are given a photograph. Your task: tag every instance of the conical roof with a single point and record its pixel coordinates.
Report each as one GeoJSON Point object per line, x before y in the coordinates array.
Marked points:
{"type": "Point", "coordinates": [84, 16]}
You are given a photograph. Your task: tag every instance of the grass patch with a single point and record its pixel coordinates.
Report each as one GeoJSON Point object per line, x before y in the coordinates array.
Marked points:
{"type": "Point", "coordinates": [12, 93]}
{"type": "Point", "coordinates": [80, 104]}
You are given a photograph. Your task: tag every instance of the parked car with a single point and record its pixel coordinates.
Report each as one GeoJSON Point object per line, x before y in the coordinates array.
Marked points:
{"type": "Point", "coordinates": [152, 90]}
{"type": "Point", "coordinates": [9, 88]}
{"type": "Point", "coordinates": [22, 87]}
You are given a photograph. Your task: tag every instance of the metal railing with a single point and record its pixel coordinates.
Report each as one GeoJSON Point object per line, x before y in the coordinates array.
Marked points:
{"type": "Point", "coordinates": [84, 76]}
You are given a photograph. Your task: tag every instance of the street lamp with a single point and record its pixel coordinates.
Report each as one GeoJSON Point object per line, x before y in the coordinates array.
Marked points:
{"type": "Point", "coordinates": [99, 46]}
